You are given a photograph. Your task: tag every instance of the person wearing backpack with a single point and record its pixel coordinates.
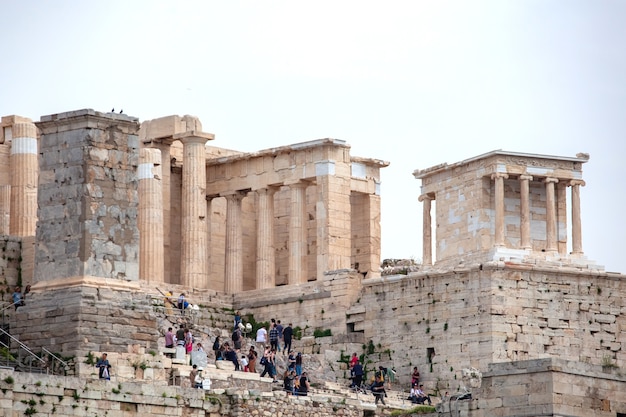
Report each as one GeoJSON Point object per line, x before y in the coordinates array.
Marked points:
{"type": "Point", "coordinates": [237, 339]}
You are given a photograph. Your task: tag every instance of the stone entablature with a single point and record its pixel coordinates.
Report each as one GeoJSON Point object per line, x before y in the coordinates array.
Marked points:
{"type": "Point", "coordinates": [503, 205]}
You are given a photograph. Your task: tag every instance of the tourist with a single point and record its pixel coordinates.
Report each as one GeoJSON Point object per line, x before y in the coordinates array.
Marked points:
{"type": "Point", "coordinates": [169, 338]}
{"type": "Point", "coordinates": [199, 347]}
{"type": "Point", "coordinates": [252, 356]}
{"type": "Point", "coordinates": [180, 336]}
{"type": "Point", "coordinates": [274, 337]}
{"type": "Point", "coordinates": [188, 341]}
{"type": "Point", "coordinates": [231, 355]}
{"type": "Point", "coordinates": [193, 375]}
{"type": "Point", "coordinates": [299, 364]}
{"type": "Point", "coordinates": [182, 303]}
{"type": "Point", "coordinates": [415, 376]}
{"type": "Point", "coordinates": [272, 361]}
{"type": "Point", "coordinates": [303, 385]}
{"type": "Point", "coordinates": [17, 297]}
{"type": "Point", "coordinates": [104, 367]}
{"type": "Point", "coordinates": [244, 363]}
{"type": "Point", "coordinates": [413, 394]}
{"type": "Point", "coordinates": [291, 361]}
{"type": "Point", "coordinates": [287, 336]}
{"type": "Point", "coordinates": [236, 337]}
{"type": "Point", "coordinates": [265, 361]}
{"type": "Point", "coordinates": [288, 381]}
{"type": "Point", "coordinates": [378, 389]}
{"type": "Point", "coordinates": [422, 397]}
{"type": "Point", "coordinates": [353, 360]}
{"type": "Point", "coordinates": [216, 346]}
{"type": "Point", "coordinates": [357, 375]}
{"type": "Point", "coordinates": [261, 336]}
{"type": "Point", "coordinates": [279, 327]}
{"type": "Point", "coordinates": [237, 320]}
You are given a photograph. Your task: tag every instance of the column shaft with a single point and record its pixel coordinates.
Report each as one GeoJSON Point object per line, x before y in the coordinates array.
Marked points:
{"type": "Point", "coordinates": [194, 270]}
{"type": "Point", "coordinates": [577, 244]}
{"type": "Point", "coordinates": [24, 171]}
{"type": "Point", "coordinates": [233, 265]}
{"type": "Point", "coordinates": [297, 235]}
{"type": "Point", "coordinates": [265, 251]}
{"type": "Point", "coordinates": [150, 216]}
{"type": "Point", "coordinates": [499, 203]}
{"type": "Point", "coordinates": [166, 170]}
{"type": "Point", "coordinates": [427, 238]}
{"type": "Point", "coordinates": [5, 209]}
{"type": "Point", "coordinates": [550, 215]}
{"type": "Point", "coordinates": [525, 242]}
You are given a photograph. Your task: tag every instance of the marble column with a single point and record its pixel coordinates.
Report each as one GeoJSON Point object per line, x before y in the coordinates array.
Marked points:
{"type": "Point", "coordinates": [577, 243]}
{"type": "Point", "coordinates": [150, 216]}
{"type": "Point", "coordinates": [24, 172]}
{"type": "Point", "coordinates": [5, 209]}
{"type": "Point", "coordinates": [499, 178]}
{"type": "Point", "coordinates": [194, 265]}
{"type": "Point", "coordinates": [551, 245]}
{"type": "Point", "coordinates": [297, 234]}
{"type": "Point", "coordinates": [164, 145]}
{"type": "Point", "coordinates": [265, 250]}
{"type": "Point", "coordinates": [427, 238]}
{"type": "Point", "coordinates": [233, 265]}
{"type": "Point", "coordinates": [525, 211]}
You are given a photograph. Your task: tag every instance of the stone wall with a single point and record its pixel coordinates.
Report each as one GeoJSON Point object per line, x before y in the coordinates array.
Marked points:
{"type": "Point", "coordinates": [10, 266]}
{"type": "Point", "coordinates": [45, 396]}
{"type": "Point", "coordinates": [490, 313]}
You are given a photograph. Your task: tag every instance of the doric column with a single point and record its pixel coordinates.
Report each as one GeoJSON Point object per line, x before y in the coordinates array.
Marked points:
{"type": "Point", "coordinates": [194, 266]}
{"type": "Point", "coordinates": [297, 234]}
{"type": "Point", "coordinates": [525, 211]}
{"type": "Point", "coordinates": [265, 250]}
{"type": "Point", "coordinates": [150, 216]}
{"type": "Point", "coordinates": [164, 145]}
{"type": "Point", "coordinates": [5, 209]}
{"type": "Point", "coordinates": [499, 178]}
{"type": "Point", "coordinates": [577, 240]}
{"type": "Point", "coordinates": [233, 265]}
{"type": "Point", "coordinates": [550, 215]}
{"type": "Point", "coordinates": [427, 238]}
{"type": "Point", "coordinates": [24, 172]}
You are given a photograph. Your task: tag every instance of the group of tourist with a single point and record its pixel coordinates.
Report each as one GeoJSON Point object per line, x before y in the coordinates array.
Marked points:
{"type": "Point", "coordinates": [417, 394]}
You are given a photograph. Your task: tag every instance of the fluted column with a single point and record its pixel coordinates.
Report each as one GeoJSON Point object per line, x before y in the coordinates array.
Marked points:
{"type": "Point", "coordinates": [233, 265]}
{"type": "Point", "coordinates": [427, 238]}
{"type": "Point", "coordinates": [5, 209]}
{"type": "Point", "coordinates": [297, 234]}
{"type": "Point", "coordinates": [265, 250]}
{"type": "Point", "coordinates": [194, 265]}
{"type": "Point", "coordinates": [525, 211]}
{"type": "Point", "coordinates": [550, 215]}
{"type": "Point", "coordinates": [150, 216]}
{"type": "Point", "coordinates": [499, 178]}
{"type": "Point", "coordinates": [577, 240]}
{"type": "Point", "coordinates": [24, 172]}
{"type": "Point", "coordinates": [164, 145]}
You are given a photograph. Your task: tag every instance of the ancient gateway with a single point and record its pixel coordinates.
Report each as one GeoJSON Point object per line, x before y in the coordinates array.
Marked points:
{"type": "Point", "coordinates": [99, 211]}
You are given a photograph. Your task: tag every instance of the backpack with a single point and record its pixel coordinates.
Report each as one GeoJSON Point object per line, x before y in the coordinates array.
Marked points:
{"type": "Point", "coordinates": [263, 360]}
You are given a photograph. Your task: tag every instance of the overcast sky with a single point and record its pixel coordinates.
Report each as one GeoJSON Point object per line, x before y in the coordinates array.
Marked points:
{"type": "Point", "coordinates": [415, 83]}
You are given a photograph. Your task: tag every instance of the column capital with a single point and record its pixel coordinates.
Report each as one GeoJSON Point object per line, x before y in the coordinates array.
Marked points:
{"type": "Point", "coordinates": [548, 180]}
{"type": "Point", "coordinates": [235, 194]}
{"type": "Point", "coordinates": [194, 136]}
{"type": "Point", "coordinates": [425, 197]}
{"type": "Point", "coordinates": [525, 177]}
{"type": "Point", "coordinates": [497, 175]}
{"type": "Point", "coordinates": [577, 182]}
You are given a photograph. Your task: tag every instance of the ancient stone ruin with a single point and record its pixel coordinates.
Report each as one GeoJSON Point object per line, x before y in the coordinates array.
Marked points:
{"type": "Point", "coordinates": [101, 215]}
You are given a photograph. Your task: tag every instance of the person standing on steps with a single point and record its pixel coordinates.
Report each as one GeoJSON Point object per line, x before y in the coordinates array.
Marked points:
{"type": "Point", "coordinates": [287, 336]}
{"type": "Point", "coordinates": [104, 367]}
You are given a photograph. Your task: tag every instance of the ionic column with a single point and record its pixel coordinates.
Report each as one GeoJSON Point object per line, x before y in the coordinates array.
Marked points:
{"type": "Point", "coordinates": [233, 265]}
{"type": "Point", "coordinates": [24, 171]}
{"type": "Point", "coordinates": [5, 209]}
{"type": "Point", "coordinates": [550, 215]}
{"type": "Point", "coordinates": [297, 234]}
{"type": "Point", "coordinates": [265, 250]}
{"type": "Point", "coordinates": [150, 216]}
{"type": "Point", "coordinates": [577, 240]}
{"type": "Point", "coordinates": [499, 178]}
{"type": "Point", "coordinates": [194, 268]}
{"type": "Point", "coordinates": [427, 238]}
{"type": "Point", "coordinates": [525, 211]}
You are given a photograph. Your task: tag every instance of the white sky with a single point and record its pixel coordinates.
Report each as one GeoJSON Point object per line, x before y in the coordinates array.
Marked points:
{"type": "Point", "coordinates": [416, 83]}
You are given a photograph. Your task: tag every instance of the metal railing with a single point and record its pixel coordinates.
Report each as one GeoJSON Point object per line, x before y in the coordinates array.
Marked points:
{"type": "Point", "coordinates": [28, 361]}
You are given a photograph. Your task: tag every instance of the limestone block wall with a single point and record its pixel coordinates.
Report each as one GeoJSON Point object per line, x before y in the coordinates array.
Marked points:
{"type": "Point", "coordinates": [491, 313]}
{"type": "Point", "coordinates": [10, 266]}
{"type": "Point", "coordinates": [85, 318]}
{"type": "Point", "coordinates": [88, 196]}
{"type": "Point", "coordinates": [45, 396]}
